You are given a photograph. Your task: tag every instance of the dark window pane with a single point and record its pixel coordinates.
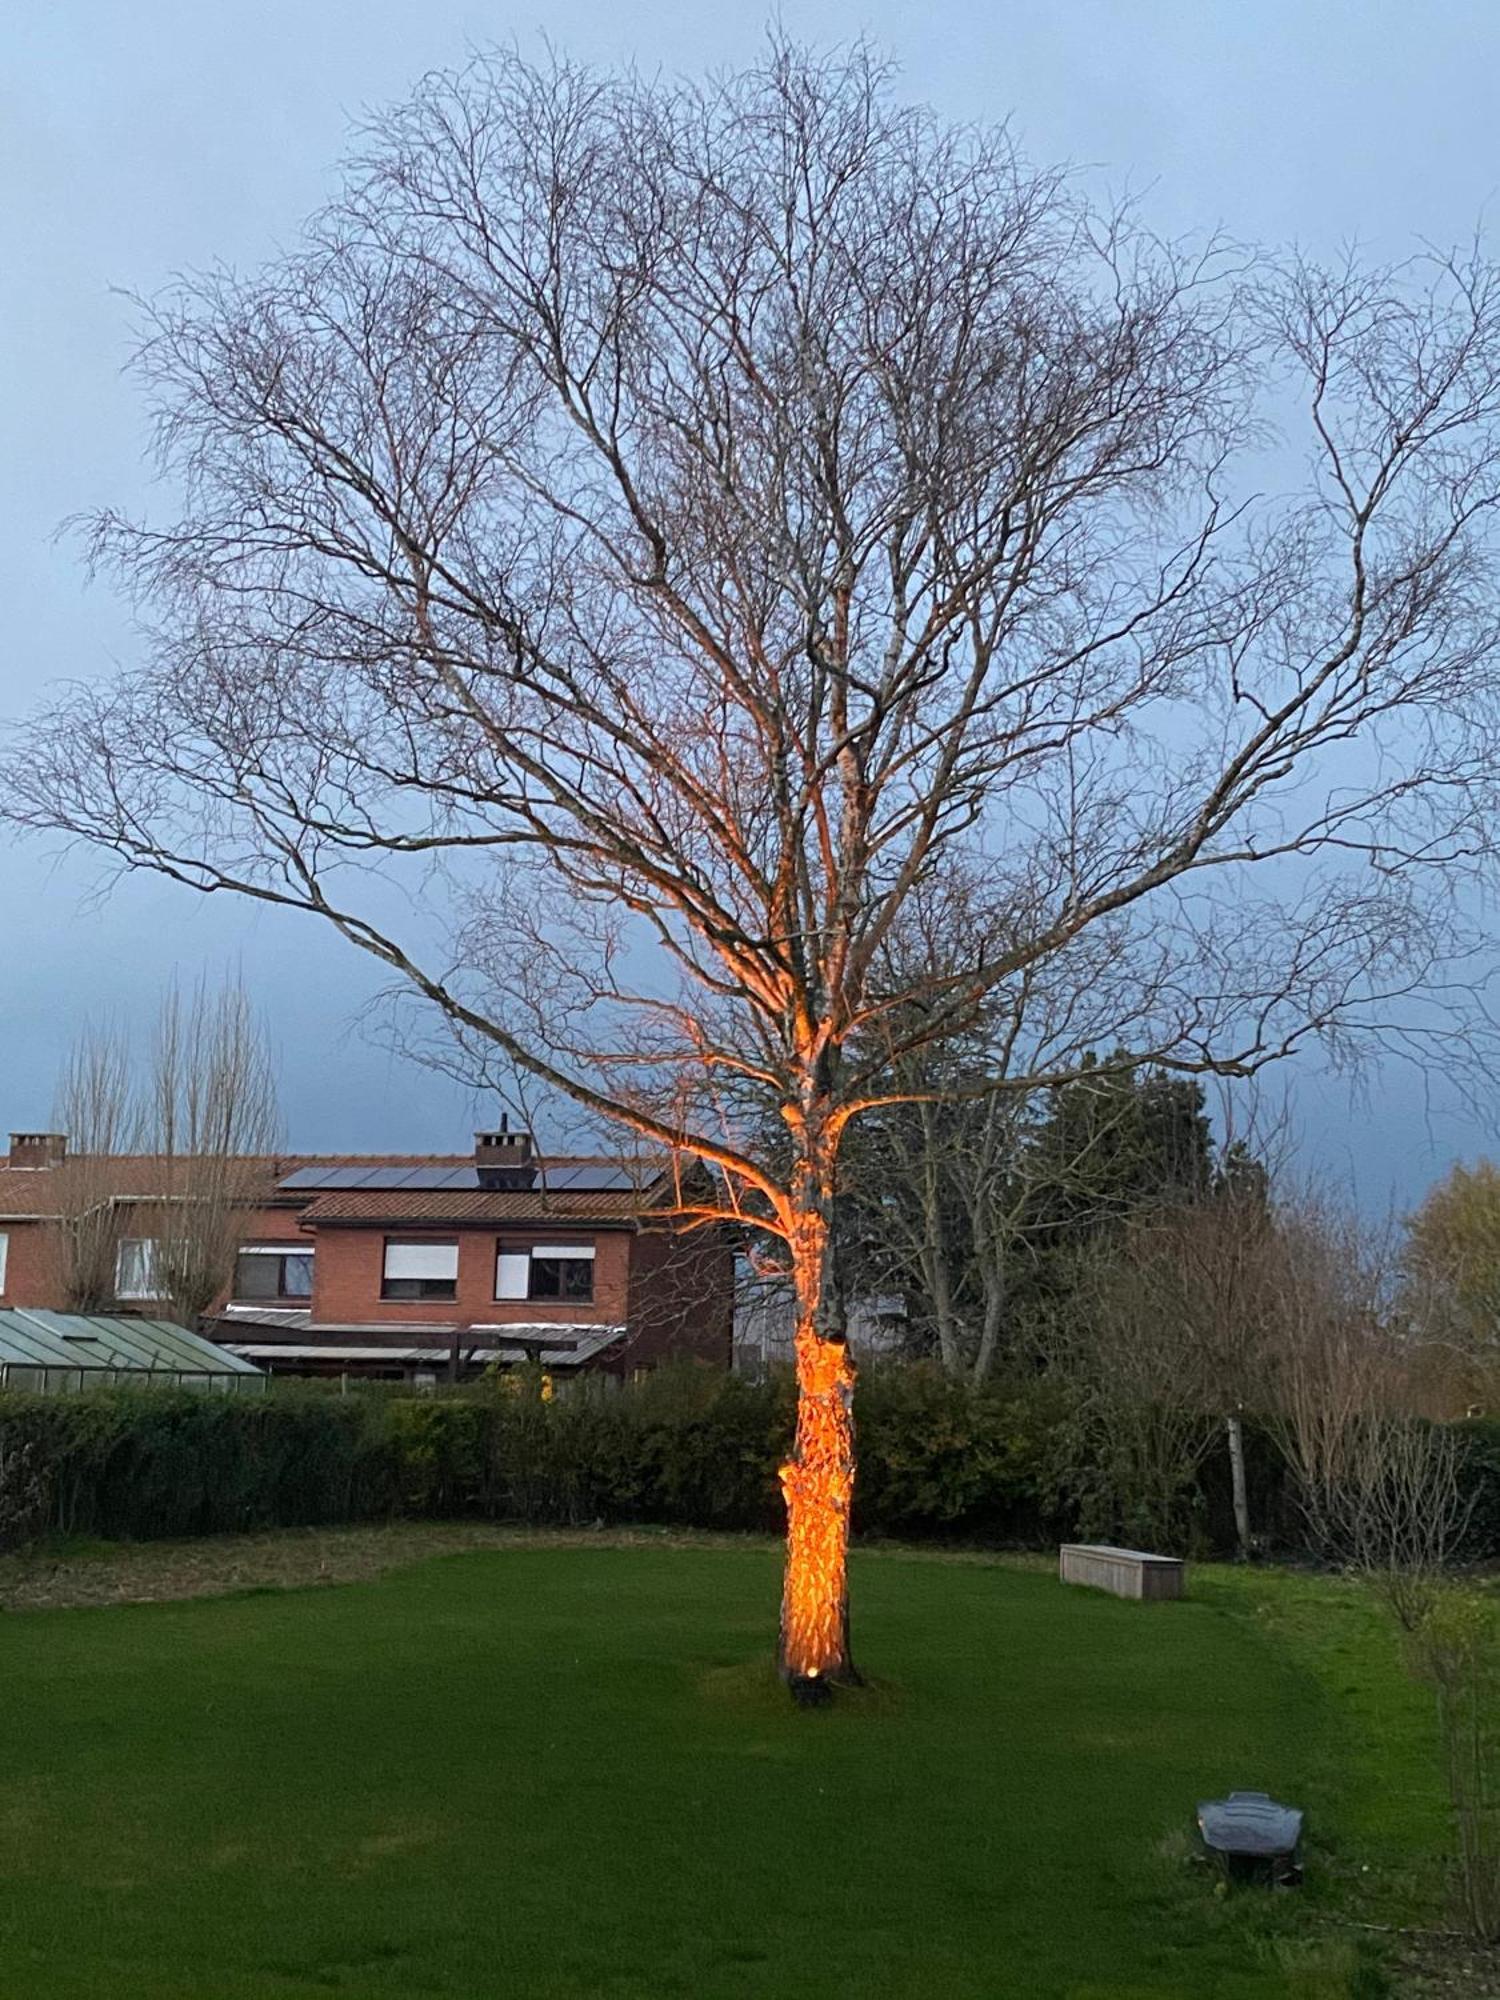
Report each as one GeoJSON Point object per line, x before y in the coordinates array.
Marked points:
{"type": "Point", "coordinates": [546, 1278]}
{"type": "Point", "coordinates": [419, 1288]}
{"type": "Point", "coordinates": [562, 1278]}
{"type": "Point", "coordinates": [255, 1277]}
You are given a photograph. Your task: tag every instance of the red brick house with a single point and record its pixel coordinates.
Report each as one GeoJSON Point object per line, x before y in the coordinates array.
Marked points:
{"type": "Point", "coordinates": [415, 1267]}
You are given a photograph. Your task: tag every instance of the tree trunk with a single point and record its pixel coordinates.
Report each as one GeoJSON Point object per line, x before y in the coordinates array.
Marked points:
{"type": "Point", "coordinates": [993, 1276]}
{"type": "Point", "coordinates": [933, 1255]}
{"type": "Point", "coordinates": [1236, 1432]}
{"type": "Point", "coordinates": [818, 1482]}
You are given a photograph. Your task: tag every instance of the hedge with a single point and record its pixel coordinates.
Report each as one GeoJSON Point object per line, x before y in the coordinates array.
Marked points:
{"type": "Point", "coordinates": [683, 1448]}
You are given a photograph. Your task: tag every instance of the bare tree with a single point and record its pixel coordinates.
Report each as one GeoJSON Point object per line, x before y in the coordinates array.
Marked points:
{"type": "Point", "coordinates": [668, 524]}
{"type": "Point", "coordinates": [1400, 1512]}
{"type": "Point", "coordinates": [1328, 1365]}
{"type": "Point", "coordinates": [98, 1109]}
{"type": "Point", "coordinates": [1139, 1431]}
{"type": "Point", "coordinates": [1208, 1260]}
{"type": "Point", "coordinates": [214, 1122]}
{"type": "Point", "coordinates": [170, 1158]}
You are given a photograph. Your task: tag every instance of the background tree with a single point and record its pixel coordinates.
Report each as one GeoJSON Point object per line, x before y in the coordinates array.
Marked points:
{"type": "Point", "coordinates": [1156, 1327]}
{"type": "Point", "coordinates": [979, 1202]}
{"type": "Point", "coordinates": [97, 1107]}
{"type": "Point", "coordinates": [213, 1122]}
{"type": "Point", "coordinates": [1451, 1263]}
{"type": "Point", "coordinates": [198, 1121]}
{"type": "Point", "coordinates": [669, 524]}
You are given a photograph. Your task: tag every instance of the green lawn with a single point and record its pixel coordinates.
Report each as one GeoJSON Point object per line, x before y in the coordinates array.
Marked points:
{"type": "Point", "coordinates": [568, 1771]}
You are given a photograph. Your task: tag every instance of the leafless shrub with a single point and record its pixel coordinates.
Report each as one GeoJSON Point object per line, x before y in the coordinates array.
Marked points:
{"type": "Point", "coordinates": [1399, 1512]}
{"type": "Point", "coordinates": [1327, 1365]}
{"type": "Point", "coordinates": [1456, 1647]}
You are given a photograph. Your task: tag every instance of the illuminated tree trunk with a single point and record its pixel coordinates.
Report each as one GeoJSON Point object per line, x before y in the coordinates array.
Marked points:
{"type": "Point", "coordinates": [818, 1482]}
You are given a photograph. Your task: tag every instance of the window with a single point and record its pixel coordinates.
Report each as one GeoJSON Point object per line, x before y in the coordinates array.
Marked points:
{"type": "Point", "coordinates": [272, 1271]}
{"type": "Point", "coordinates": [4, 1255]}
{"type": "Point", "coordinates": [419, 1269]}
{"type": "Point", "coordinates": [135, 1268]}
{"type": "Point", "coordinates": [545, 1271]}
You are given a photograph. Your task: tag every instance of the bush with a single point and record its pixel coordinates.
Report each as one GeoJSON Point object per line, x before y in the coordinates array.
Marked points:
{"type": "Point", "coordinates": [142, 1463]}
{"type": "Point", "coordinates": [936, 1459]}
{"type": "Point", "coordinates": [1479, 1473]}
{"type": "Point", "coordinates": [687, 1447]}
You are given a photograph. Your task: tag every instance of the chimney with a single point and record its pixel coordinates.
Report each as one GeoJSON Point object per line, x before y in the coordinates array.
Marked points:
{"type": "Point", "coordinates": [502, 1159]}
{"type": "Point", "coordinates": [38, 1149]}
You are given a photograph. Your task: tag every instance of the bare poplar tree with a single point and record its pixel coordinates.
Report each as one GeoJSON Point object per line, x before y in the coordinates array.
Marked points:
{"type": "Point", "coordinates": [213, 1122]}
{"type": "Point", "coordinates": [170, 1152]}
{"type": "Point", "coordinates": [97, 1107]}
{"type": "Point", "coordinates": [669, 523]}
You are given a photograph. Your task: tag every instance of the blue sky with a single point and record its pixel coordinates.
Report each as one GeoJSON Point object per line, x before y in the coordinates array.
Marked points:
{"type": "Point", "coordinates": [138, 137]}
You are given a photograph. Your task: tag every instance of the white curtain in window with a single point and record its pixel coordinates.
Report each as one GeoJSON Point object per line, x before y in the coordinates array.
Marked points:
{"type": "Point", "coordinates": [421, 1260]}
{"type": "Point", "coordinates": [135, 1268]}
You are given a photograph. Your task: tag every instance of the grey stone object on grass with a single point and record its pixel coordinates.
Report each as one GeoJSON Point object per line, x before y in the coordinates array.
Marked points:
{"type": "Point", "coordinates": [1123, 1572]}
{"type": "Point", "coordinates": [1250, 1833]}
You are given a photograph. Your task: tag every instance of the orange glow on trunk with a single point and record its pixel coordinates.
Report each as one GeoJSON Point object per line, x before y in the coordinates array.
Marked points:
{"type": "Point", "coordinates": [818, 1481]}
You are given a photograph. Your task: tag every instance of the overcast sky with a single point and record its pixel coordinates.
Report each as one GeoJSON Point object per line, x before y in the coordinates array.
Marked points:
{"type": "Point", "coordinates": [140, 137]}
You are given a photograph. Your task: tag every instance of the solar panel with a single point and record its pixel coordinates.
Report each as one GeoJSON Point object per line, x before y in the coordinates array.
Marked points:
{"type": "Point", "coordinates": [563, 1176]}
{"type": "Point", "coordinates": [347, 1177]}
{"type": "Point", "coordinates": [588, 1177]}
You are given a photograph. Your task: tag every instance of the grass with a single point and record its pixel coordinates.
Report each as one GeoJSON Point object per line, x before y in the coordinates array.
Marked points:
{"type": "Point", "coordinates": [566, 1770]}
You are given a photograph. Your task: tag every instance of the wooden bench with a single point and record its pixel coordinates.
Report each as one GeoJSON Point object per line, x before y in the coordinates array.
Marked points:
{"type": "Point", "coordinates": [1122, 1572]}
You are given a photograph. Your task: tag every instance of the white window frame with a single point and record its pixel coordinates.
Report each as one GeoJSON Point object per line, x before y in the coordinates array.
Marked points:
{"type": "Point", "coordinates": [149, 1287]}
{"type": "Point", "coordinates": [4, 1257]}
{"type": "Point", "coordinates": [513, 1270]}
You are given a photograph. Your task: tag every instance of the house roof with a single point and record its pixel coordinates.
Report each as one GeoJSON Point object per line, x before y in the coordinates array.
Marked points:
{"type": "Point", "coordinates": [475, 1205]}
{"type": "Point", "coordinates": [31, 1338]}
{"type": "Point", "coordinates": [36, 1193]}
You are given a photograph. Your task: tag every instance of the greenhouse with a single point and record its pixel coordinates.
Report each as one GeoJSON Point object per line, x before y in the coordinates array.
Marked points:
{"type": "Point", "coordinates": [54, 1352]}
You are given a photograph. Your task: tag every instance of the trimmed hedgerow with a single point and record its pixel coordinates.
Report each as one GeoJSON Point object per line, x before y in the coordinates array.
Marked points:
{"type": "Point", "coordinates": [684, 1448]}
{"type": "Point", "coordinates": [142, 1463]}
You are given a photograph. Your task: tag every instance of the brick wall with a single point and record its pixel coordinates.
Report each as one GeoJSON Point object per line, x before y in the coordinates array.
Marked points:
{"type": "Point", "coordinates": [349, 1261]}
{"type": "Point", "coordinates": [32, 1273]}
{"type": "Point", "coordinates": [681, 1298]}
